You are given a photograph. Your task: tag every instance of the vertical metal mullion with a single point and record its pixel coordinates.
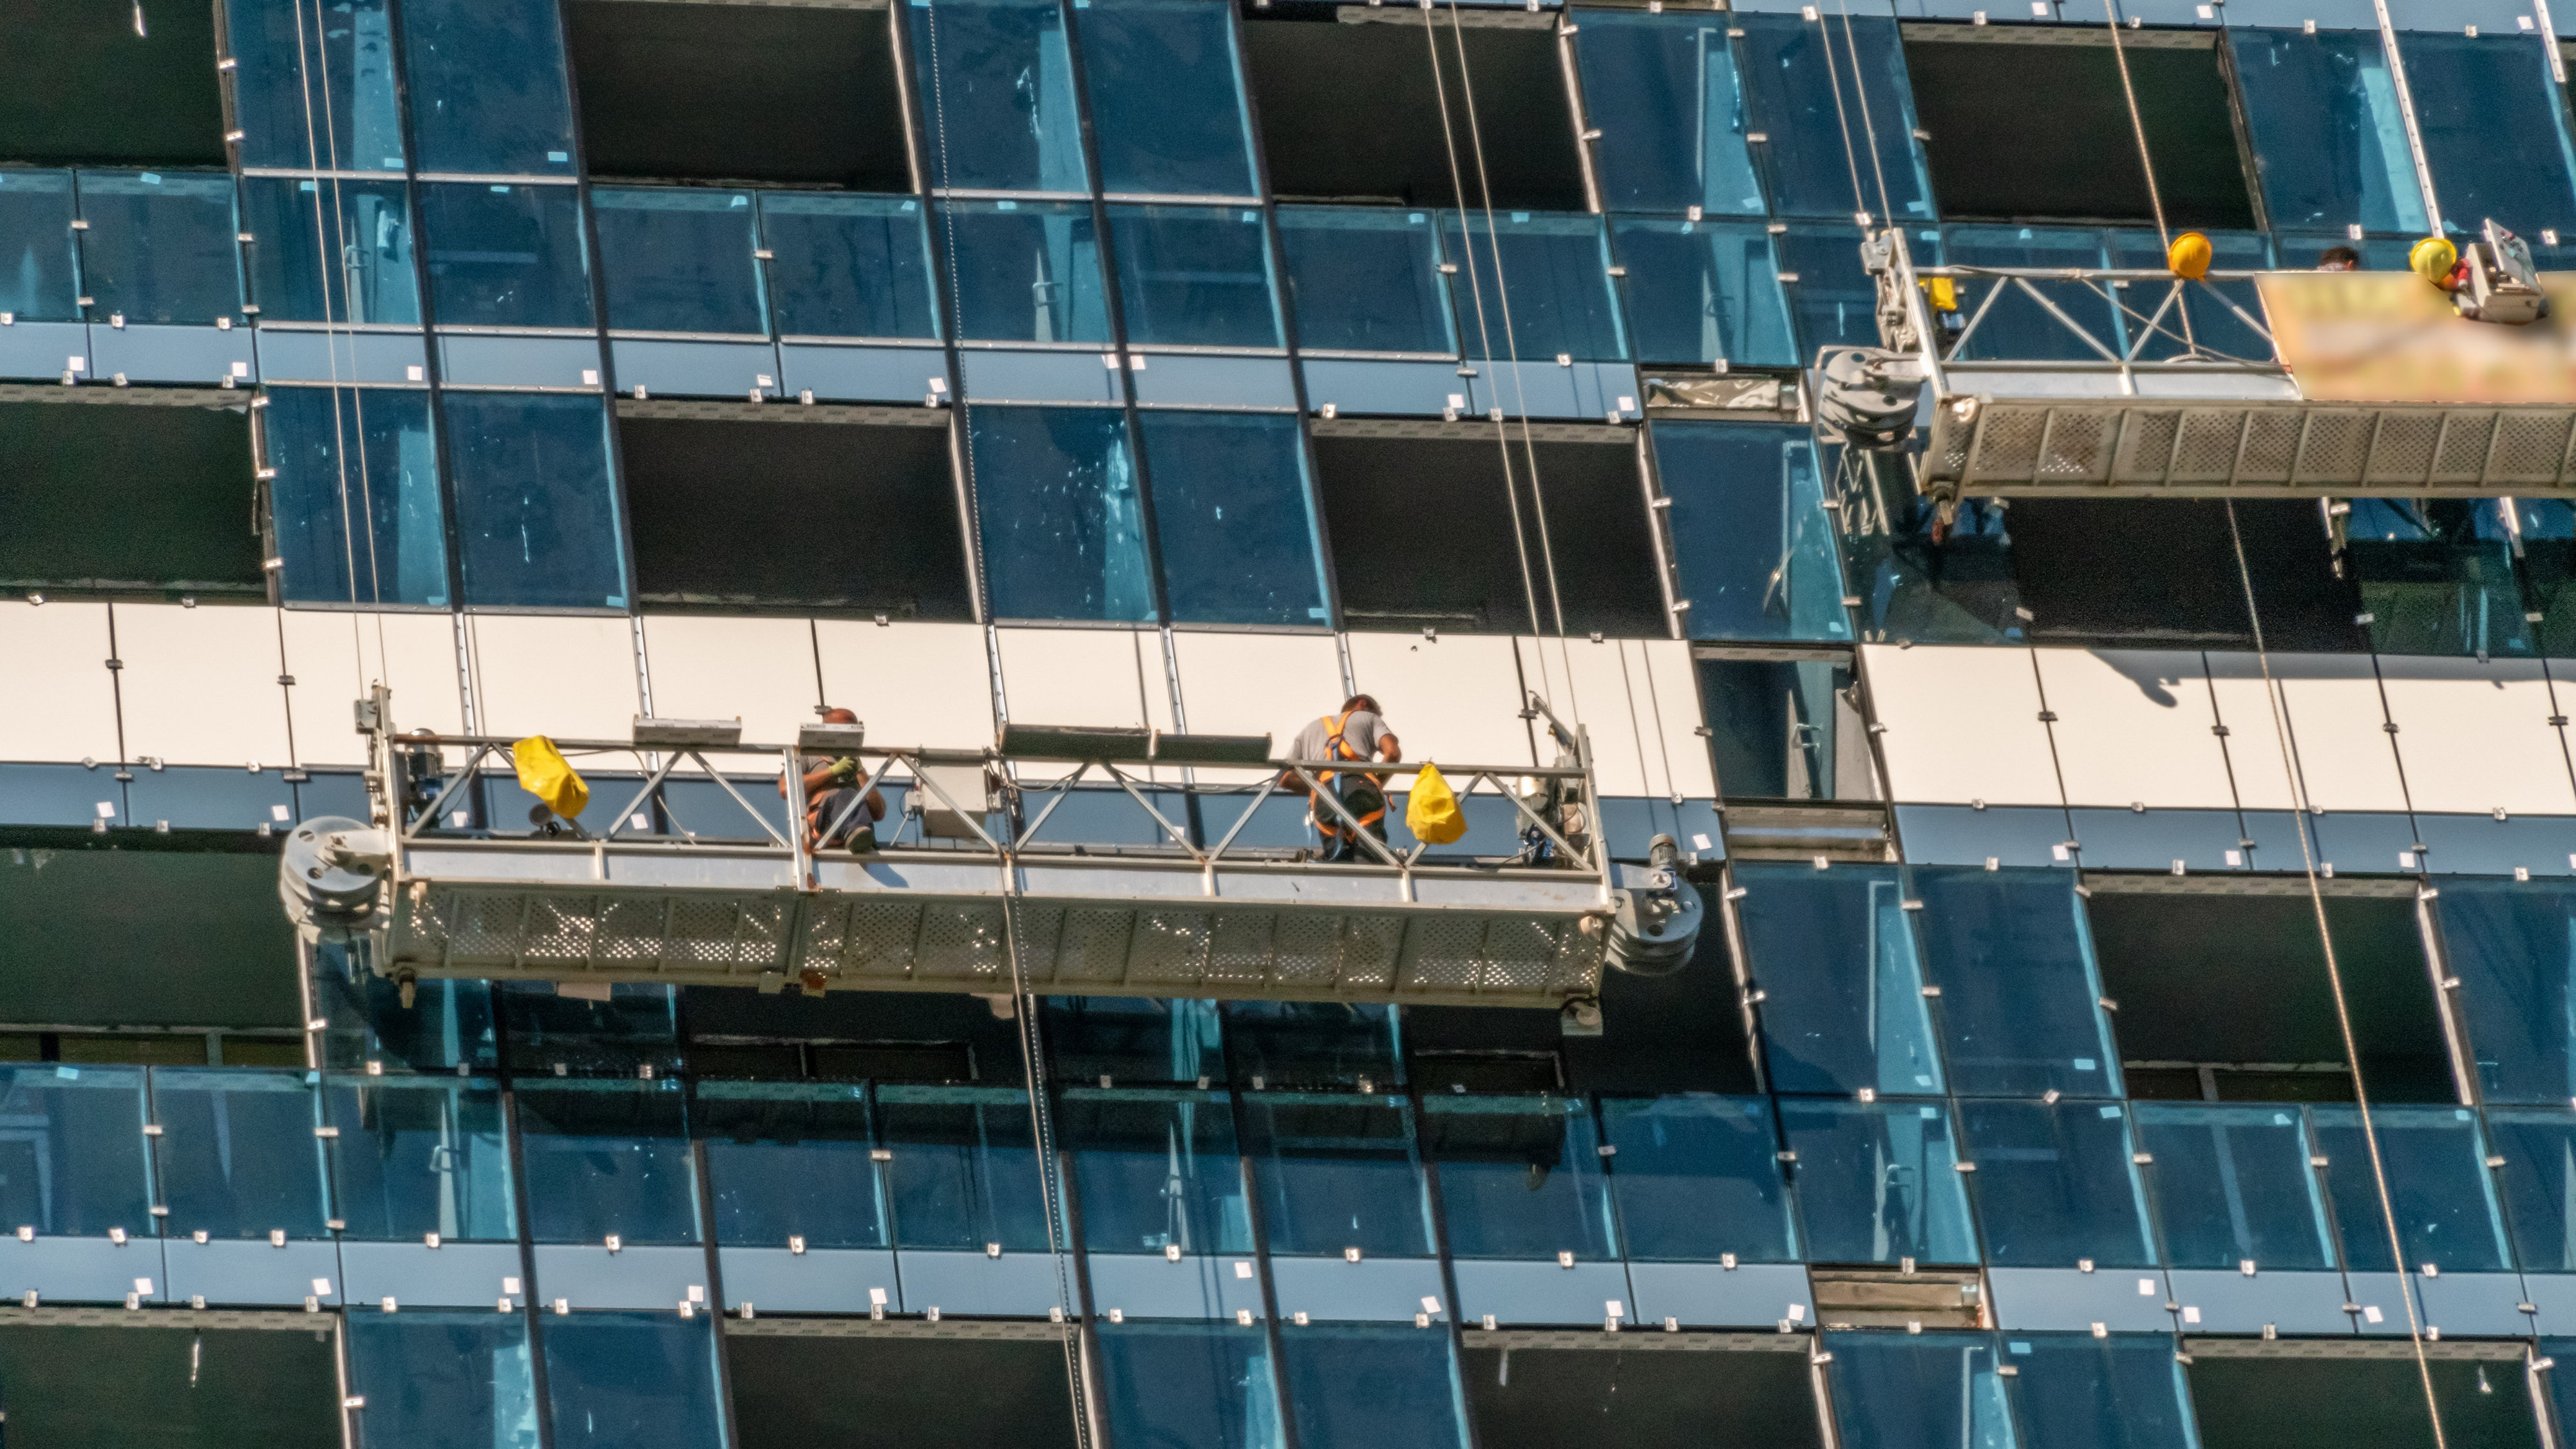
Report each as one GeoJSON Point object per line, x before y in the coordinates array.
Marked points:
{"type": "Point", "coordinates": [529, 1303]}
{"type": "Point", "coordinates": [598, 270]}
{"type": "Point", "coordinates": [703, 1183]}
{"type": "Point", "coordinates": [1260, 1227]}
{"type": "Point", "coordinates": [1440, 1246]}
{"type": "Point", "coordinates": [442, 448]}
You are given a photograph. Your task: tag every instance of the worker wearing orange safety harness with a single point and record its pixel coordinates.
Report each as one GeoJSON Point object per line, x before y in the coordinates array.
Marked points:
{"type": "Point", "coordinates": [1359, 733]}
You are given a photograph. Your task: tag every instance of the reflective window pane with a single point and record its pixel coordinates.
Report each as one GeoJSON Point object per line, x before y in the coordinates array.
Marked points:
{"type": "Point", "coordinates": [443, 1380]}
{"type": "Point", "coordinates": [2124, 1391]}
{"type": "Point", "coordinates": [506, 256]}
{"type": "Point", "coordinates": [1166, 97]}
{"type": "Point", "coordinates": [790, 1160]}
{"type": "Point", "coordinates": [996, 88]}
{"type": "Point", "coordinates": [2328, 138]}
{"type": "Point", "coordinates": [1025, 271]}
{"type": "Point", "coordinates": [849, 266]}
{"type": "Point", "coordinates": [608, 1158]}
{"type": "Point", "coordinates": [1664, 93]}
{"type": "Point", "coordinates": [1372, 1386]}
{"type": "Point", "coordinates": [1306, 1044]}
{"type": "Point", "coordinates": [676, 259]}
{"type": "Point", "coordinates": [488, 94]}
{"type": "Point", "coordinates": [1878, 1182]}
{"type": "Point", "coordinates": [1698, 1178]}
{"type": "Point", "coordinates": [1559, 298]}
{"type": "Point", "coordinates": [363, 274]}
{"type": "Point", "coordinates": [418, 1156]}
{"type": "Point", "coordinates": [39, 279]}
{"type": "Point", "coordinates": [2437, 1179]}
{"type": "Point", "coordinates": [2471, 90]}
{"type": "Point", "coordinates": [355, 501]}
{"type": "Point", "coordinates": [1195, 276]}
{"type": "Point", "coordinates": [1157, 1169]}
{"type": "Point", "coordinates": [160, 246]}
{"type": "Point", "coordinates": [313, 84]}
{"type": "Point", "coordinates": [1337, 1170]}
{"type": "Point", "coordinates": [1234, 518]}
{"type": "Point", "coordinates": [1751, 541]}
{"type": "Point", "coordinates": [2539, 1184]}
{"type": "Point", "coordinates": [632, 1381]}
{"type": "Point", "coordinates": [1366, 280]}
{"type": "Point", "coordinates": [636, 1026]}
{"type": "Point", "coordinates": [965, 1169]}
{"type": "Point", "coordinates": [533, 502]}
{"type": "Point", "coordinates": [1063, 532]}
{"type": "Point", "coordinates": [1833, 953]}
{"type": "Point", "coordinates": [237, 1156]}
{"type": "Point", "coordinates": [71, 1150]}
{"type": "Point", "coordinates": [2055, 1184]}
{"type": "Point", "coordinates": [1799, 74]}
{"type": "Point", "coordinates": [1520, 1177]}
{"type": "Point", "coordinates": [2020, 1005]}
{"type": "Point", "coordinates": [2514, 949]}
{"type": "Point", "coordinates": [2233, 1183]}
{"type": "Point", "coordinates": [1918, 1391]}
{"type": "Point", "coordinates": [2015, 326]}
{"type": "Point", "coordinates": [1208, 1386]}
{"type": "Point", "coordinates": [1133, 1039]}
{"type": "Point", "coordinates": [1704, 291]}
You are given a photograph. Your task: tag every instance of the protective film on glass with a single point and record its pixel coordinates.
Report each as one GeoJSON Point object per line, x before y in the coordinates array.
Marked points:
{"type": "Point", "coordinates": [1664, 92]}
{"type": "Point", "coordinates": [1195, 276]}
{"type": "Point", "coordinates": [488, 89]}
{"type": "Point", "coordinates": [1235, 518]}
{"type": "Point", "coordinates": [1697, 1179]}
{"type": "Point", "coordinates": [506, 256]}
{"type": "Point", "coordinates": [849, 266]}
{"type": "Point", "coordinates": [679, 259]}
{"type": "Point", "coordinates": [313, 84]}
{"type": "Point", "coordinates": [1166, 98]}
{"type": "Point", "coordinates": [237, 1154]}
{"type": "Point", "coordinates": [2328, 135]}
{"type": "Point", "coordinates": [1752, 543]}
{"type": "Point", "coordinates": [329, 250]}
{"type": "Point", "coordinates": [2056, 1185]}
{"type": "Point", "coordinates": [995, 82]}
{"type": "Point", "coordinates": [1704, 291]}
{"type": "Point", "coordinates": [534, 507]}
{"type": "Point", "coordinates": [355, 504]}
{"type": "Point", "coordinates": [159, 247]}
{"type": "Point", "coordinates": [1833, 953]}
{"type": "Point", "coordinates": [1878, 1182]}
{"type": "Point", "coordinates": [1365, 279]}
{"type": "Point", "coordinates": [1062, 519]}
{"type": "Point", "coordinates": [2020, 1007]}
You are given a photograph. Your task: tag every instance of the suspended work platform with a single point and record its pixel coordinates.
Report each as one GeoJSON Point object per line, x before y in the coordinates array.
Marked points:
{"type": "Point", "coordinates": [980, 886]}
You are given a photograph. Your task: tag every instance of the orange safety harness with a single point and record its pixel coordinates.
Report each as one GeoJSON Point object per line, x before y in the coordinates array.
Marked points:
{"type": "Point", "coordinates": [1337, 747]}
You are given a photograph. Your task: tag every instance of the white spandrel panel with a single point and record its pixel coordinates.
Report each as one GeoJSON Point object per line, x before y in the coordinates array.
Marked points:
{"type": "Point", "coordinates": [759, 671]}
{"type": "Point", "coordinates": [59, 701]}
{"type": "Point", "coordinates": [2475, 738]}
{"type": "Point", "coordinates": [912, 685]}
{"type": "Point", "coordinates": [2136, 727]}
{"type": "Point", "coordinates": [2338, 732]}
{"type": "Point", "coordinates": [200, 685]}
{"type": "Point", "coordinates": [566, 677]}
{"type": "Point", "coordinates": [2253, 742]}
{"type": "Point", "coordinates": [1962, 725]}
{"type": "Point", "coordinates": [1676, 714]}
{"type": "Point", "coordinates": [1257, 684]}
{"type": "Point", "coordinates": [1099, 677]}
{"type": "Point", "coordinates": [1602, 688]}
{"type": "Point", "coordinates": [335, 657]}
{"type": "Point", "coordinates": [1455, 697]}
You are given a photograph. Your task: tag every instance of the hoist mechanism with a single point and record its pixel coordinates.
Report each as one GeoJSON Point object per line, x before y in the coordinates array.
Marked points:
{"type": "Point", "coordinates": [1090, 861]}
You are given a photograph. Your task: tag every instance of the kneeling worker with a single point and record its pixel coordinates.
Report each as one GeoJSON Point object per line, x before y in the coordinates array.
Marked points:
{"type": "Point", "coordinates": [831, 790]}
{"type": "Point", "coordinates": [1358, 733]}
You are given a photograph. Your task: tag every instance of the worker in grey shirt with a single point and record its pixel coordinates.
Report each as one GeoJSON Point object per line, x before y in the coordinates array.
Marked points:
{"type": "Point", "coordinates": [831, 787]}
{"type": "Point", "coordinates": [1359, 732]}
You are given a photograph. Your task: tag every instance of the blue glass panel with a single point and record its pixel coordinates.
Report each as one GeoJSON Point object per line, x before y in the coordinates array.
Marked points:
{"type": "Point", "coordinates": [1156, 1168]}
{"type": "Point", "coordinates": [448, 1025]}
{"type": "Point", "coordinates": [506, 256]}
{"type": "Point", "coordinates": [355, 500]}
{"type": "Point", "coordinates": [160, 246]}
{"type": "Point", "coordinates": [2514, 949]}
{"type": "Point", "coordinates": [1558, 298]}
{"type": "Point", "coordinates": [790, 1159]}
{"type": "Point", "coordinates": [1025, 271]}
{"type": "Point", "coordinates": [1365, 280]}
{"type": "Point", "coordinates": [1663, 91]}
{"type": "Point", "coordinates": [632, 1381]}
{"type": "Point", "coordinates": [2469, 93]}
{"type": "Point", "coordinates": [237, 1157]}
{"type": "Point", "coordinates": [488, 95]}
{"type": "Point", "coordinates": [1878, 1182]}
{"type": "Point", "coordinates": [1207, 1386]}
{"type": "Point", "coordinates": [1303, 1044]}
{"type": "Point", "coordinates": [1751, 543]}
{"type": "Point", "coordinates": [1235, 519]}
{"type": "Point", "coordinates": [2214, 327]}
{"type": "Point", "coordinates": [534, 508]}
{"type": "Point", "coordinates": [2121, 1392]}
{"type": "Point", "coordinates": [2055, 1184]}
{"type": "Point", "coordinates": [1064, 537]}
{"type": "Point", "coordinates": [2232, 1183]}
{"type": "Point", "coordinates": [2539, 1182]}
{"type": "Point", "coordinates": [1195, 276]}
{"type": "Point", "coordinates": [678, 259]}
{"type": "Point", "coordinates": [363, 274]}
{"type": "Point", "coordinates": [1337, 1170]}
{"type": "Point", "coordinates": [1698, 1177]}
{"type": "Point", "coordinates": [1135, 1039]}
{"type": "Point", "coordinates": [1918, 1391]}
{"type": "Point", "coordinates": [637, 1026]}
{"type": "Point", "coordinates": [2437, 1180]}
{"type": "Point", "coordinates": [71, 1150]}
{"type": "Point", "coordinates": [1799, 74]}
{"type": "Point", "coordinates": [849, 266]}
{"type": "Point", "coordinates": [2020, 1006]}
{"type": "Point", "coordinates": [444, 1380]}
{"type": "Point", "coordinates": [965, 1169]}
{"type": "Point", "coordinates": [2014, 325]}
{"type": "Point", "coordinates": [999, 98]}
{"type": "Point", "coordinates": [313, 84]}
{"type": "Point", "coordinates": [1166, 98]}
{"type": "Point", "coordinates": [1834, 955]}
{"type": "Point", "coordinates": [2329, 140]}
{"type": "Point", "coordinates": [608, 1157]}
{"type": "Point", "coordinates": [1704, 291]}
{"type": "Point", "coordinates": [39, 276]}
{"type": "Point", "coordinates": [1372, 1386]}
{"type": "Point", "coordinates": [1520, 1177]}
{"type": "Point", "coordinates": [418, 1156]}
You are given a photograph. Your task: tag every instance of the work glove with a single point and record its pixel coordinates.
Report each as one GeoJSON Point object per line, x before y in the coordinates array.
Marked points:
{"type": "Point", "coordinates": [845, 771]}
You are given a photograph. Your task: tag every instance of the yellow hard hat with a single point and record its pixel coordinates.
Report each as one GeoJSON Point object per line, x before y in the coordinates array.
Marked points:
{"type": "Point", "coordinates": [2189, 256]}
{"type": "Point", "coordinates": [2433, 258]}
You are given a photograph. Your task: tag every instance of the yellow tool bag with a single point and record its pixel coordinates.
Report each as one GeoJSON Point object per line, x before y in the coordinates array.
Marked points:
{"type": "Point", "coordinates": [546, 774]}
{"type": "Point", "coordinates": [1433, 814]}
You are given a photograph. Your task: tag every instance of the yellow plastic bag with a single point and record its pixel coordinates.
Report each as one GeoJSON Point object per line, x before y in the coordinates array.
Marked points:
{"type": "Point", "coordinates": [546, 774]}
{"type": "Point", "coordinates": [1433, 814]}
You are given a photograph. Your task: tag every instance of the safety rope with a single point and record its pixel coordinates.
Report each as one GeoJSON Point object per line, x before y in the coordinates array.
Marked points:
{"type": "Point", "coordinates": [1860, 94]}
{"type": "Point", "coordinates": [2334, 978]}
{"type": "Point", "coordinates": [1842, 122]}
